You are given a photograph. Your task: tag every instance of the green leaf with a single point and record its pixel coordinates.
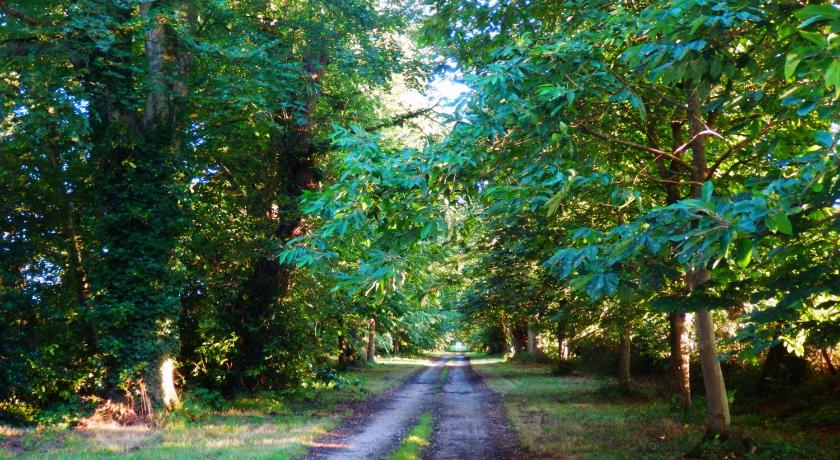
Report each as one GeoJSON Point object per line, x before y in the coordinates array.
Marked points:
{"type": "Point", "coordinates": [428, 229]}
{"type": "Point", "coordinates": [816, 13]}
{"type": "Point", "coordinates": [554, 202]}
{"type": "Point", "coordinates": [782, 223]}
{"type": "Point", "coordinates": [726, 243]}
{"type": "Point", "coordinates": [743, 252]}
{"type": "Point", "coordinates": [824, 138]}
{"type": "Point", "coordinates": [695, 24]}
{"type": "Point", "coordinates": [602, 285]}
{"type": "Point", "coordinates": [832, 76]}
{"type": "Point", "coordinates": [707, 191]}
{"type": "Point", "coordinates": [791, 61]}
{"type": "Point", "coordinates": [806, 108]}
{"type": "Point", "coordinates": [813, 37]}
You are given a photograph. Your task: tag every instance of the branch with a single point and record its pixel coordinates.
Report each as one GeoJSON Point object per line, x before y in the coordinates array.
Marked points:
{"type": "Point", "coordinates": [657, 152]}
{"type": "Point", "coordinates": [740, 162]}
{"type": "Point", "coordinates": [705, 132]}
{"type": "Point", "coordinates": [400, 119]}
{"type": "Point", "coordinates": [12, 12]}
{"type": "Point", "coordinates": [669, 181]}
{"type": "Point", "coordinates": [737, 147]}
{"type": "Point", "coordinates": [827, 219]}
{"type": "Point", "coordinates": [18, 46]}
{"type": "Point", "coordinates": [22, 46]}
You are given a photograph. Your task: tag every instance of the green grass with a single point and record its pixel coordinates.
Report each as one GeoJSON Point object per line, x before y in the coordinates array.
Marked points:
{"type": "Point", "coordinates": [417, 441]}
{"type": "Point", "coordinates": [586, 417]}
{"type": "Point", "coordinates": [255, 426]}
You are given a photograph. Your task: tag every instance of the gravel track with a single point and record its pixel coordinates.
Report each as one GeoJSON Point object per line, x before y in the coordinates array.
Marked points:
{"type": "Point", "coordinates": [469, 419]}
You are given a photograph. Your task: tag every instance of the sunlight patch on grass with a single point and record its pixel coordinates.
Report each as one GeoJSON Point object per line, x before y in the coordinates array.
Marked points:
{"type": "Point", "coordinates": [484, 360]}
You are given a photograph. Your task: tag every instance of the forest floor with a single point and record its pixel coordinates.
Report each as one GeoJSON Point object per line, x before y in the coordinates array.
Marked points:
{"type": "Point", "coordinates": [258, 426]}
{"type": "Point", "coordinates": [584, 416]}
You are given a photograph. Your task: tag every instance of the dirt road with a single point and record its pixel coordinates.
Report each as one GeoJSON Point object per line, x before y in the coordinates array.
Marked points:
{"type": "Point", "coordinates": [469, 419]}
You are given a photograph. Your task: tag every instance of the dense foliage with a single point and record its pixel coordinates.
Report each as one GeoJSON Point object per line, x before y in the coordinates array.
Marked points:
{"type": "Point", "coordinates": [154, 156]}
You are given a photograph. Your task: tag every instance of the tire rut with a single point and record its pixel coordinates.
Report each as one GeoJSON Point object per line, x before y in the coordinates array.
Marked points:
{"type": "Point", "coordinates": [470, 422]}
{"type": "Point", "coordinates": [378, 432]}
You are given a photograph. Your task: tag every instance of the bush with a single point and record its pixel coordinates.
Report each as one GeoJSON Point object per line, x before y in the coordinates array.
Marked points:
{"type": "Point", "coordinates": [566, 367]}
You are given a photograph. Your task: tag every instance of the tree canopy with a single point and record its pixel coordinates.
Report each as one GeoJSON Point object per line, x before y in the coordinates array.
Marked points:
{"type": "Point", "coordinates": [230, 185]}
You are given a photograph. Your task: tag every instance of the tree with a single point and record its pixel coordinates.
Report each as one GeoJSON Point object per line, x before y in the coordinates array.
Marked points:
{"type": "Point", "coordinates": [686, 70]}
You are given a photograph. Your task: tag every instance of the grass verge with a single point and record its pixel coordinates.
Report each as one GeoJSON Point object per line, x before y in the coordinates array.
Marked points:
{"type": "Point", "coordinates": [417, 441]}
{"type": "Point", "coordinates": [586, 417]}
{"type": "Point", "coordinates": [266, 425]}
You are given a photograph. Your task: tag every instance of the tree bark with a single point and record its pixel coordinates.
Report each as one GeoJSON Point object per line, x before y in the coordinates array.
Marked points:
{"type": "Point", "coordinates": [772, 363]}
{"type": "Point", "coordinates": [167, 382]}
{"type": "Point", "coordinates": [680, 358]}
{"type": "Point", "coordinates": [532, 339]}
{"type": "Point", "coordinates": [680, 374]}
{"type": "Point", "coordinates": [828, 364]}
{"type": "Point", "coordinates": [519, 335]}
{"type": "Point", "coordinates": [562, 343]}
{"type": "Point", "coordinates": [135, 159]}
{"type": "Point", "coordinates": [371, 341]}
{"type": "Point", "coordinates": [717, 406]}
{"type": "Point", "coordinates": [157, 97]}
{"type": "Point", "coordinates": [624, 360]}
{"type": "Point", "coordinates": [347, 351]}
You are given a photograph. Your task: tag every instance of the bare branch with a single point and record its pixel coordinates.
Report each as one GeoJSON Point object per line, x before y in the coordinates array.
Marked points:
{"type": "Point", "coordinates": [399, 120]}
{"type": "Point", "coordinates": [704, 133]}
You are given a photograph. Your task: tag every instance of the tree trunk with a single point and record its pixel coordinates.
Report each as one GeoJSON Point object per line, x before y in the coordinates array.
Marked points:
{"type": "Point", "coordinates": [76, 273]}
{"type": "Point", "coordinates": [519, 335]}
{"type": "Point", "coordinates": [137, 215]}
{"type": "Point", "coordinates": [532, 340]}
{"type": "Point", "coordinates": [772, 363]}
{"type": "Point", "coordinates": [562, 341]}
{"type": "Point", "coordinates": [293, 171]}
{"type": "Point", "coordinates": [717, 406]}
{"type": "Point", "coordinates": [680, 373]}
{"type": "Point", "coordinates": [371, 341]}
{"type": "Point", "coordinates": [828, 364]}
{"type": "Point", "coordinates": [167, 382]}
{"type": "Point", "coordinates": [624, 360]}
{"type": "Point", "coordinates": [347, 356]}
{"type": "Point", "coordinates": [680, 370]}
{"type": "Point", "coordinates": [396, 343]}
